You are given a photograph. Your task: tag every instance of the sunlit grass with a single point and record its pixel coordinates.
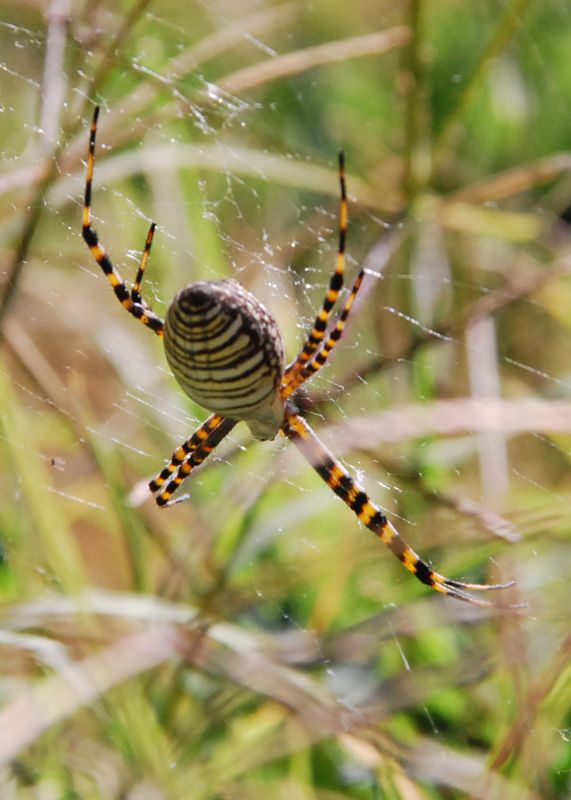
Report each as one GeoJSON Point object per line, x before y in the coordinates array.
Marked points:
{"type": "Point", "coordinates": [254, 641]}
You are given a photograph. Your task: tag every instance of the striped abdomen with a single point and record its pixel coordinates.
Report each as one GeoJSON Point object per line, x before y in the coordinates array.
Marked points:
{"type": "Point", "coordinates": [226, 352]}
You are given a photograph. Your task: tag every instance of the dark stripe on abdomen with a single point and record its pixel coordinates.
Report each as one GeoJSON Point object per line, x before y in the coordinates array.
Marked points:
{"type": "Point", "coordinates": [224, 348]}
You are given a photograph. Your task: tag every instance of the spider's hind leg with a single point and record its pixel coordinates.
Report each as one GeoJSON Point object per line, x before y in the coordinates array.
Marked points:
{"type": "Point", "coordinates": [345, 487]}
{"type": "Point", "coordinates": [189, 455]}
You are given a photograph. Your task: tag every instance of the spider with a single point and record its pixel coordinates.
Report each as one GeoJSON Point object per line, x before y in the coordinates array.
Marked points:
{"type": "Point", "coordinates": [226, 352]}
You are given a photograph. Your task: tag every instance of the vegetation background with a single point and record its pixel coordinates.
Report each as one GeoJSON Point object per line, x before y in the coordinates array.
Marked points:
{"type": "Point", "coordinates": [255, 641]}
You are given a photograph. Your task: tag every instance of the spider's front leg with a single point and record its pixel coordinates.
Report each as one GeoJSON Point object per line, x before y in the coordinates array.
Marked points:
{"type": "Point", "coordinates": [315, 337]}
{"type": "Point", "coordinates": [319, 359]}
{"type": "Point", "coordinates": [130, 299]}
{"type": "Point", "coordinates": [345, 487]}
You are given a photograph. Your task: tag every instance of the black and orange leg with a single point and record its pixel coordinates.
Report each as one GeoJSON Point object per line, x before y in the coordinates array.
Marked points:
{"type": "Point", "coordinates": [130, 300]}
{"type": "Point", "coordinates": [194, 459]}
{"type": "Point", "coordinates": [345, 487]}
{"type": "Point", "coordinates": [321, 356]}
{"type": "Point", "coordinates": [183, 452]}
{"type": "Point", "coordinates": [136, 287]}
{"type": "Point", "coordinates": [317, 334]}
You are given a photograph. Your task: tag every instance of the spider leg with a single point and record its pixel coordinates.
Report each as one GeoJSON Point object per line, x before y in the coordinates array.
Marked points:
{"type": "Point", "coordinates": [323, 353]}
{"type": "Point", "coordinates": [186, 448]}
{"type": "Point", "coordinates": [221, 426]}
{"type": "Point", "coordinates": [345, 487]}
{"type": "Point", "coordinates": [136, 287]}
{"type": "Point", "coordinates": [315, 337]}
{"type": "Point", "coordinates": [129, 300]}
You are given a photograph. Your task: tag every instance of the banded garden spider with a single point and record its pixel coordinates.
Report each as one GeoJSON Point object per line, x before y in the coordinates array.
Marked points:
{"type": "Point", "coordinates": [226, 352]}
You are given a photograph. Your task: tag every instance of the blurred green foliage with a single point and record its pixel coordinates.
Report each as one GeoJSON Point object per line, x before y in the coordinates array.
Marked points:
{"type": "Point", "coordinates": [254, 641]}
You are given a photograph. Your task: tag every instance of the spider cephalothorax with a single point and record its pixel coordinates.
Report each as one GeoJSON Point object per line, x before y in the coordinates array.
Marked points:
{"type": "Point", "coordinates": [226, 352]}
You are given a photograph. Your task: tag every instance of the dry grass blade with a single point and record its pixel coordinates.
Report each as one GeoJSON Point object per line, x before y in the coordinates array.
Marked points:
{"type": "Point", "coordinates": [293, 652]}
{"type": "Point", "coordinates": [466, 773]}
{"type": "Point", "coordinates": [311, 57]}
{"type": "Point", "coordinates": [222, 40]}
{"type": "Point", "coordinates": [448, 417]}
{"type": "Point", "coordinates": [54, 83]}
{"type": "Point", "coordinates": [537, 695]}
{"type": "Point", "coordinates": [36, 708]}
{"type": "Point", "coordinates": [512, 181]}
{"type": "Point", "coordinates": [23, 177]}
{"type": "Point", "coordinates": [490, 520]}
{"type": "Point", "coordinates": [509, 226]}
{"type": "Point", "coordinates": [481, 514]}
{"type": "Point", "coordinates": [212, 46]}
{"type": "Point", "coordinates": [221, 158]}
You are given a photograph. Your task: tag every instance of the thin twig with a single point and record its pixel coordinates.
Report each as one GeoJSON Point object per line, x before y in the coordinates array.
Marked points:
{"type": "Point", "coordinates": [451, 417]}
{"type": "Point", "coordinates": [48, 173]}
{"type": "Point", "coordinates": [54, 82]}
{"type": "Point", "coordinates": [513, 181]}
{"type": "Point", "coordinates": [311, 57]}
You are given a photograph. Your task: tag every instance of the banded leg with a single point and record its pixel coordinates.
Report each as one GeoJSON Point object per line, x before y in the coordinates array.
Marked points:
{"type": "Point", "coordinates": [338, 479]}
{"type": "Point", "coordinates": [315, 338]}
{"type": "Point", "coordinates": [320, 358]}
{"type": "Point", "coordinates": [186, 448]}
{"type": "Point", "coordinates": [130, 300]}
{"type": "Point", "coordinates": [136, 287]}
{"type": "Point", "coordinates": [195, 459]}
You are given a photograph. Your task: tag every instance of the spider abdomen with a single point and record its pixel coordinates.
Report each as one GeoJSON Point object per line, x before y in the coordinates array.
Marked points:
{"type": "Point", "coordinates": [226, 352]}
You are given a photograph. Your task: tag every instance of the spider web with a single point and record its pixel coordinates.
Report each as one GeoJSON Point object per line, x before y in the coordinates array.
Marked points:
{"type": "Point", "coordinates": [448, 396]}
